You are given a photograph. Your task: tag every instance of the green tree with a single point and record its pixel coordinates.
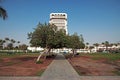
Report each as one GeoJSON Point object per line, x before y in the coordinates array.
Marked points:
{"type": "Point", "coordinates": [7, 40]}
{"type": "Point", "coordinates": [17, 47]}
{"type": "Point", "coordinates": [81, 38]}
{"type": "Point", "coordinates": [87, 45]}
{"type": "Point", "coordinates": [42, 36]}
{"type": "Point", "coordinates": [12, 41]}
{"type": "Point", "coordinates": [91, 47]}
{"type": "Point", "coordinates": [10, 46]}
{"type": "Point", "coordinates": [96, 45]}
{"type": "Point", "coordinates": [1, 44]}
{"type": "Point", "coordinates": [23, 47]}
{"type": "Point", "coordinates": [106, 43]}
{"type": "Point", "coordinates": [60, 39]}
{"type": "Point", "coordinates": [82, 45]}
{"type": "Point", "coordinates": [47, 36]}
{"type": "Point", "coordinates": [75, 43]}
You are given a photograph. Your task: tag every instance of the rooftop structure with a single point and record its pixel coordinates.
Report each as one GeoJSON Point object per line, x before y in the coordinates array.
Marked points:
{"type": "Point", "coordinates": [60, 20]}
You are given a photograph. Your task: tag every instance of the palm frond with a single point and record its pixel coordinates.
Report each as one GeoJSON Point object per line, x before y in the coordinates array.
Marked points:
{"type": "Point", "coordinates": [3, 13]}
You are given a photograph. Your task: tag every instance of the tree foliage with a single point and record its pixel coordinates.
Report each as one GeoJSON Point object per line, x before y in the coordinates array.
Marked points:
{"type": "Point", "coordinates": [43, 35]}
{"type": "Point", "coordinates": [23, 47]}
{"type": "Point", "coordinates": [47, 36]}
{"type": "Point", "coordinates": [75, 42]}
{"type": "Point", "coordinates": [8, 43]}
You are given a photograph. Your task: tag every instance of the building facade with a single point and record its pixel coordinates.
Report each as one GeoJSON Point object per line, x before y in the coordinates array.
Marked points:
{"type": "Point", "coordinates": [60, 20]}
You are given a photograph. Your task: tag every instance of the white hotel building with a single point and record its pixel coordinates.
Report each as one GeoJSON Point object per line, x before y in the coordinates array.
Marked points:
{"type": "Point", "coordinates": [60, 20]}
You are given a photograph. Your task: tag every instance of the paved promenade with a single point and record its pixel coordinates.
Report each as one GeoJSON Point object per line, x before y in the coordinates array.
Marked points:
{"type": "Point", "coordinates": [60, 69]}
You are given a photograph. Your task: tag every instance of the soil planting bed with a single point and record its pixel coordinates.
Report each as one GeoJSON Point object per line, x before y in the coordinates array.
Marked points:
{"type": "Point", "coordinates": [86, 66]}
{"type": "Point", "coordinates": [22, 66]}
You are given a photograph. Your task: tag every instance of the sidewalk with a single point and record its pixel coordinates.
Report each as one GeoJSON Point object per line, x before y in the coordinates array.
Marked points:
{"type": "Point", "coordinates": [60, 69]}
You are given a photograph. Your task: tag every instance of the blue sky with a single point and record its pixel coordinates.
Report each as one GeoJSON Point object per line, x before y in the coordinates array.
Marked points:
{"type": "Point", "coordinates": [96, 20]}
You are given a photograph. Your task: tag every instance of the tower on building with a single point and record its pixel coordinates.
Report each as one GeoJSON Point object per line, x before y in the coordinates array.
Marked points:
{"type": "Point", "coordinates": [60, 20]}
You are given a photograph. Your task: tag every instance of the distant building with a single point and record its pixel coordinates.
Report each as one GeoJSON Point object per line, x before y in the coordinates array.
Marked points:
{"type": "Point", "coordinates": [102, 48]}
{"type": "Point", "coordinates": [33, 49]}
{"type": "Point", "coordinates": [60, 20]}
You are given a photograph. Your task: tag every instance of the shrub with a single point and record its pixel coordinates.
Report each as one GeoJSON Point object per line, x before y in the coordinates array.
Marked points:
{"type": "Point", "coordinates": [39, 62]}
{"type": "Point", "coordinates": [39, 73]}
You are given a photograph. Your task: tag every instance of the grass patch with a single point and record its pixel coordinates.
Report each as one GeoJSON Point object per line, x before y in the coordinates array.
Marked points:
{"type": "Point", "coordinates": [9, 63]}
{"type": "Point", "coordinates": [1, 60]}
{"type": "Point", "coordinates": [116, 72]}
{"type": "Point", "coordinates": [68, 55]}
{"type": "Point", "coordinates": [39, 62]}
{"type": "Point", "coordinates": [108, 56]}
{"type": "Point", "coordinates": [78, 71]}
{"type": "Point", "coordinates": [6, 55]}
{"type": "Point", "coordinates": [39, 73]}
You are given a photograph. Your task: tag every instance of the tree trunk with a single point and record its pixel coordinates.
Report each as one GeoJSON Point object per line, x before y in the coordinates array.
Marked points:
{"type": "Point", "coordinates": [74, 51]}
{"type": "Point", "coordinates": [46, 51]}
{"type": "Point", "coordinates": [41, 54]}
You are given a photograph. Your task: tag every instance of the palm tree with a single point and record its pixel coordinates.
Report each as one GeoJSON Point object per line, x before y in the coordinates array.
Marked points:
{"type": "Point", "coordinates": [7, 41]}
{"type": "Point", "coordinates": [106, 44]}
{"type": "Point", "coordinates": [87, 45]}
{"type": "Point", "coordinates": [4, 44]}
{"type": "Point", "coordinates": [18, 42]}
{"type": "Point", "coordinates": [23, 47]}
{"type": "Point", "coordinates": [12, 41]}
{"type": "Point", "coordinates": [96, 45]}
{"type": "Point", "coordinates": [3, 13]}
{"type": "Point", "coordinates": [81, 38]}
{"type": "Point", "coordinates": [103, 43]}
{"type": "Point", "coordinates": [1, 43]}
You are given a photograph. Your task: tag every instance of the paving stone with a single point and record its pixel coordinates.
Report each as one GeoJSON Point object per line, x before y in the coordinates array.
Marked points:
{"type": "Point", "coordinates": [60, 69]}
